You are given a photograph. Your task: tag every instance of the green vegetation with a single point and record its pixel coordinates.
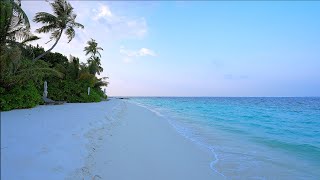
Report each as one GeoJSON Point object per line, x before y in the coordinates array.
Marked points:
{"type": "Point", "coordinates": [25, 96]}
{"type": "Point", "coordinates": [24, 68]}
{"type": "Point", "coordinates": [63, 19]}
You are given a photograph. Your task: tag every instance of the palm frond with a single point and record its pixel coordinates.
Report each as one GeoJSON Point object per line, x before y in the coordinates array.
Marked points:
{"type": "Point", "coordinates": [55, 34]}
{"type": "Point", "coordinates": [29, 39]}
{"type": "Point", "coordinates": [62, 19]}
{"type": "Point", "coordinates": [31, 73]}
{"type": "Point", "coordinates": [47, 71]}
{"type": "Point", "coordinates": [70, 33]}
{"type": "Point", "coordinates": [101, 82]}
{"type": "Point", "coordinates": [22, 14]}
{"type": "Point", "coordinates": [69, 10]}
{"type": "Point", "coordinates": [46, 29]}
{"type": "Point", "coordinates": [44, 17]}
{"type": "Point", "coordinates": [98, 53]}
{"type": "Point", "coordinates": [77, 25]}
{"type": "Point", "coordinates": [15, 24]}
{"type": "Point", "coordinates": [92, 48]}
{"type": "Point", "coordinates": [58, 7]}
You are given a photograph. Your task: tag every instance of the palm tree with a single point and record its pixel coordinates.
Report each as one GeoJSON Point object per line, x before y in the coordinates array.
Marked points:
{"type": "Point", "coordinates": [101, 82]}
{"type": "Point", "coordinates": [14, 34]}
{"type": "Point", "coordinates": [15, 70]}
{"type": "Point", "coordinates": [93, 48]}
{"type": "Point", "coordinates": [95, 65]}
{"type": "Point", "coordinates": [74, 66]}
{"type": "Point", "coordinates": [94, 60]}
{"type": "Point", "coordinates": [62, 19]}
{"type": "Point", "coordinates": [14, 24]}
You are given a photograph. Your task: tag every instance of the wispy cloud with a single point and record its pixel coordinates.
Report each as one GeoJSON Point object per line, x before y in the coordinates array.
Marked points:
{"type": "Point", "coordinates": [104, 11]}
{"type": "Point", "coordinates": [120, 26]}
{"type": "Point", "coordinates": [102, 22]}
{"type": "Point", "coordinates": [129, 55]}
{"type": "Point", "coordinates": [139, 53]}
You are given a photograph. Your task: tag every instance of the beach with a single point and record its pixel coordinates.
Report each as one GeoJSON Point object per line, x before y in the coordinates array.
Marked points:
{"type": "Point", "coordinates": [191, 90]}
{"type": "Point", "coordinates": [113, 139]}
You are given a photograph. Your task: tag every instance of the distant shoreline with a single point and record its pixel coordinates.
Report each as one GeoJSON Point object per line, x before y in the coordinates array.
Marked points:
{"type": "Point", "coordinates": [126, 97]}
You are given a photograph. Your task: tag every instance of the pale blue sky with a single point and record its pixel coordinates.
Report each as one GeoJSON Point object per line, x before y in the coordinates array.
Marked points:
{"type": "Point", "coordinates": [203, 48]}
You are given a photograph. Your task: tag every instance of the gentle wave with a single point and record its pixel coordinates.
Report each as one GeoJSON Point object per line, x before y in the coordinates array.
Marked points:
{"type": "Point", "coordinates": [248, 133]}
{"type": "Point", "coordinates": [187, 133]}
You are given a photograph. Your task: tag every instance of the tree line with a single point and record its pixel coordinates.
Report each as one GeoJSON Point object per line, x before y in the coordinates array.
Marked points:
{"type": "Point", "coordinates": [24, 68]}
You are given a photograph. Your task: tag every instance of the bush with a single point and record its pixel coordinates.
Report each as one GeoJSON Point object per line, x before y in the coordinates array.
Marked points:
{"type": "Point", "coordinates": [19, 97]}
{"type": "Point", "coordinates": [53, 58]}
{"type": "Point", "coordinates": [72, 91]}
{"type": "Point", "coordinates": [28, 96]}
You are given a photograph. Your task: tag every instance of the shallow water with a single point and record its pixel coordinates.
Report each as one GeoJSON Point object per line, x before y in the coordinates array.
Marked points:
{"type": "Point", "coordinates": [250, 138]}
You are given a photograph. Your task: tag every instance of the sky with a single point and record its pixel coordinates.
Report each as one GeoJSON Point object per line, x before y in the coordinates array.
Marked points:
{"type": "Point", "coordinates": [207, 48]}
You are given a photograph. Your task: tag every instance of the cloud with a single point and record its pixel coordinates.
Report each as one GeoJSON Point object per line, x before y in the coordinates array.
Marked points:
{"type": "Point", "coordinates": [108, 23]}
{"type": "Point", "coordinates": [102, 22]}
{"type": "Point", "coordinates": [146, 52]}
{"type": "Point", "coordinates": [129, 55]}
{"type": "Point", "coordinates": [104, 11]}
{"type": "Point", "coordinates": [139, 53]}
{"type": "Point", "coordinates": [118, 25]}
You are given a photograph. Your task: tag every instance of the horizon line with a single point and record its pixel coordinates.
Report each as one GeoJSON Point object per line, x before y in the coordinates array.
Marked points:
{"type": "Point", "coordinates": [217, 96]}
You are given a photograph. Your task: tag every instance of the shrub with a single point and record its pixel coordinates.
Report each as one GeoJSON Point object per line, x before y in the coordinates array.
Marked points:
{"type": "Point", "coordinates": [72, 91]}
{"type": "Point", "coordinates": [19, 97]}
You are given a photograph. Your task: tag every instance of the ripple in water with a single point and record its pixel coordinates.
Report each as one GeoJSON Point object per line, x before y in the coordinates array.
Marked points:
{"type": "Point", "coordinates": [250, 138]}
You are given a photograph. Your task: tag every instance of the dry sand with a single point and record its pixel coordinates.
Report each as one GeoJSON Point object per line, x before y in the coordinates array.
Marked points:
{"type": "Point", "coordinates": [108, 140]}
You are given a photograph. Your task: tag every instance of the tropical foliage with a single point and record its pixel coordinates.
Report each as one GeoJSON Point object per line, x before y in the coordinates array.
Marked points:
{"type": "Point", "coordinates": [94, 59]}
{"type": "Point", "coordinates": [14, 24]}
{"type": "Point", "coordinates": [63, 19]}
{"type": "Point", "coordinates": [24, 68]}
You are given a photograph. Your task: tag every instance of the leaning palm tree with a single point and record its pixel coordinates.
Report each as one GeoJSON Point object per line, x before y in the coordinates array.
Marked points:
{"type": "Point", "coordinates": [62, 19]}
{"type": "Point", "coordinates": [93, 48]}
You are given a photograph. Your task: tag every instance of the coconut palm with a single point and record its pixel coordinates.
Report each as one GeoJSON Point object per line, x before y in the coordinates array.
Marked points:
{"type": "Point", "coordinates": [94, 60]}
{"type": "Point", "coordinates": [16, 70]}
{"type": "Point", "coordinates": [14, 24]}
{"type": "Point", "coordinates": [14, 34]}
{"type": "Point", "coordinates": [95, 65]}
{"type": "Point", "coordinates": [101, 82]}
{"type": "Point", "coordinates": [74, 67]}
{"type": "Point", "coordinates": [62, 19]}
{"type": "Point", "coordinates": [93, 48]}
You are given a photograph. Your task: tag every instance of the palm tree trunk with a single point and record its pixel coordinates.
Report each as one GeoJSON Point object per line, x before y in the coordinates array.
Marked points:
{"type": "Point", "coordinates": [41, 55]}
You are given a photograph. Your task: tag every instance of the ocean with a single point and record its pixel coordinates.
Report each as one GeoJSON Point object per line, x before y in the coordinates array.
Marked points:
{"type": "Point", "coordinates": [249, 137]}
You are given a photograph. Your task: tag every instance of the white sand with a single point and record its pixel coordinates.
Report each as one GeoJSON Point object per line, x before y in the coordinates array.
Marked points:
{"type": "Point", "coordinates": [108, 140]}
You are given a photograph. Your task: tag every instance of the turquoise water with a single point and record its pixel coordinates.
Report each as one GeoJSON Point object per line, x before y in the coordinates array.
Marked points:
{"type": "Point", "coordinates": [250, 138]}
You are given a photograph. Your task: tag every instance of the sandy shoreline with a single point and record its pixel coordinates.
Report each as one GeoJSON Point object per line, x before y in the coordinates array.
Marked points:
{"type": "Point", "coordinates": [107, 140]}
